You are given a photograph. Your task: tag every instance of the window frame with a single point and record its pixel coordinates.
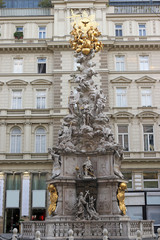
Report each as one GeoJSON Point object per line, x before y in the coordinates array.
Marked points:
{"type": "Point", "coordinates": [148, 138]}
{"type": "Point", "coordinates": [151, 180]}
{"type": "Point", "coordinates": [39, 175]}
{"type": "Point", "coordinates": [14, 186]}
{"type": "Point", "coordinates": [45, 139]}
{"type": "Point", "coordinates": [42, 58]}
{"type": "Point", "coordinates": [45, 104]}
{"type": "Point", "coordinates": [19, 30]}
{"type": "Point", "coordinates": [119, 64]}
{"type": "Point", "coordinates": [118, 30]}
{"type": "Point", "coordinates": [143, 64]}
{"type": "Point", "coordinates": [12, 100]}
{"type": "Point", "coordinates": [123, 136]}
{"type": "Point", "coordinates": [43, 32]}
{"type": "Point", "coordinates": [11, 141]}
{"type": "Point", "coordinates": [142, 30]}
{"type": "Point", "coordinates": [146, 96]}
{"type": "Point", "coordinates": [121, 95]}
{"type": "Point", "coordinates": [14, 61]}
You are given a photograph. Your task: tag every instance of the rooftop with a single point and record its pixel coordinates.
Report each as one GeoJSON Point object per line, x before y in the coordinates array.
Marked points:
{"type": "Point", "coordinates": [21, 3]}
{"type": "Point", "coordinates": [135, 2]}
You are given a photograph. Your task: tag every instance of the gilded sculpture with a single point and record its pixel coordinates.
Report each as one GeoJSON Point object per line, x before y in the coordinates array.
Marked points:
{"type": "Point", "coordinates": [121, 197]}
{"type": "Point", "coordinates": [53, 199]}
{"type": "Point", "coordinates": [85, 34]}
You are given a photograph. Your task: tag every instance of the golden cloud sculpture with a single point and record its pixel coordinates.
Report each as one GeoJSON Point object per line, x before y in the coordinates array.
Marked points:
{"type": "Point", "coordinates": [85, 33]}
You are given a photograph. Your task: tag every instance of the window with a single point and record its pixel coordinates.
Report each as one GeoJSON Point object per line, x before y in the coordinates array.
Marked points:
{"type": "Point", "coordinates": [135, 212]}
{"type": "Point", "coordinates": [121, 97]}
{"type": "Point", "coordinates": [42, 32]}
{"type": "Point", "coordinates": [18, 65]}
{"type": "Point", "coordinates": [16, 99]}
{"type": "Point", "coordinates": [118, 30]}
{"type": "Point", "coordinates": [128, 177]}
{"type": "Point", "coordinates": [40, 140]}
{"type": "Point", "coordinates": [146, 97]}
{"type": "Point", "coordinates": [120, 63]}
{"type": "Point", "coordinates": [148, 138]}
{"type": "Point", "coordinates": [19, 29]}
{"type": "Point", "coordinates": [15, 140]}
{"type": "Point", "coordinates": [13, 182]}
{"type": "Point", "coordinates": [38, 197]}
{"type": "Point", "coordinates": [123, 137]}
{"type": "Point", "coordinates": [41, 65]}
{"type": "Point", "coordinates": [39, 181]}
{"type": "Point", "coordinates": [41, 99]}
{"type": "Point", "coordinates": [142, 30]}
{"type": "Point", "coordinates": [144, 62]}
{"type": "Point", "coordinates": [150, 179]}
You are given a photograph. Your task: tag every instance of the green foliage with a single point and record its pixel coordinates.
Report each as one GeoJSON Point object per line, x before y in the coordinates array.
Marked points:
{"type": "Point", "coordinates": [45, 4]}
{"type": "Point", "coordinates": [2, 4]}
{"type": "Point", "coordinates": [18, 35]}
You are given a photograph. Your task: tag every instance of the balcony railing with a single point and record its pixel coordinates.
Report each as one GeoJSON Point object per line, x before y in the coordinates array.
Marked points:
{"type": "Point", "coordinates": [137, 9]}
{"type": "Point", "coordinates": [25, 12]}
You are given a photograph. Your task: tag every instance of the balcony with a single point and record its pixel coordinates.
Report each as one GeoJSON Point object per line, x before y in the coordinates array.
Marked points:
{"type": "Point", "coordinates": [6, 12]}
{"type": "Point", "coordinates": [145, 9]}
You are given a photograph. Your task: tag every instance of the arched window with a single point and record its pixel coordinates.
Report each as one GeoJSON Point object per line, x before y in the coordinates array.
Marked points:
{"type": "Point", "coordinates": [40, 140]}
{"type": "Point", "coordinates": [15, 140]}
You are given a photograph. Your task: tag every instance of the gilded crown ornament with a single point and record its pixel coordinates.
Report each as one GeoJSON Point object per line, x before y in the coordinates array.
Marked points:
{"type": "Point", "coordinates": [85, 33]}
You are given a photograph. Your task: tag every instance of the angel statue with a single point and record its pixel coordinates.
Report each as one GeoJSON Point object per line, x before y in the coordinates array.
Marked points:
{"type": "Point", "coordinates": [53, 199]}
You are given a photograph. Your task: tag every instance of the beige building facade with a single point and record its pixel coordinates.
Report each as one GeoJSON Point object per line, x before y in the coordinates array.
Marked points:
{"type": "Point", "coordinates": [36, 77]}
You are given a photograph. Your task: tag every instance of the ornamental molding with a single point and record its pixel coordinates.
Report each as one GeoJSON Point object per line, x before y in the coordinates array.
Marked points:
{"type": "Point", "coordinates": [123, 114]}
{"type": "Point", "coordinates": [147, 114]}
{"type": "Point", "coordinates": [16, 82]}
{"type": "Point", "coordinates": [41, 82]}
{"type": "Point", "coordinates": [121, 79]}
{"type": "Point", "coordinates": [145, 79]}
{"type": "Point", "coordinates": [1, 83]}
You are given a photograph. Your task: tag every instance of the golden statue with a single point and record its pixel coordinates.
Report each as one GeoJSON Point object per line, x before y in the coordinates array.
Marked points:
{"type": "Point", "coordinates": [85, 34]}
{"type": "Point", "coordinates": [53, 199]}
{"type": "Point", "coordinates": [121, 197]}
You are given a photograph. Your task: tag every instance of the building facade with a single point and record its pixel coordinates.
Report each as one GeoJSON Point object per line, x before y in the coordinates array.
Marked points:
{"type": "Point", "coordinates": [37, 69]}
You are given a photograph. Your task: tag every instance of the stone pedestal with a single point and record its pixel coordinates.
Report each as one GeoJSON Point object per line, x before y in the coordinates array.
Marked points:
{"type": "Point", "coordinates": [103, 186]}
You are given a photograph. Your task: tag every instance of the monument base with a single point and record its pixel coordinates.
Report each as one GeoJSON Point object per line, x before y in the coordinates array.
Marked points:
{"type": "Point", "coordinates": [119, 227]}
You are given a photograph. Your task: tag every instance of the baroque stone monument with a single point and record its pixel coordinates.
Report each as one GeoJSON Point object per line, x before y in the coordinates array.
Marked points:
{"type": "Point", "coordinates": [86, 159]}
{"type": "Point", "coordinates": [87, 186]}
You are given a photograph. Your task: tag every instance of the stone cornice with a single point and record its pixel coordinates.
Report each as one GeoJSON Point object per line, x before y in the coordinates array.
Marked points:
{"type": "Point", "coordinates": [147, 114]}
{"type": "Point", "coordinates": [40, 82]}
{"type": "Point", "coordinates": [137, 16]}
{"type": "Point", "coordinates": [136, 72]}
{"type": "Point", "coordinates": [145, 79]}
{"type": "Point", "coordinates": [26, 18]}
{"type": "Point", "coordinates": [16, 82]}
{"type": "Point", "coordinates": [110, 45]}
{"type": "Point", "coordinates": [123, 114]}
{"type": "Point", "coordinates": [141, 159]}
{"type": "Point", "coordinates": [21, 75]}
{"type": "Point", "coordinates": [121, 79]}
